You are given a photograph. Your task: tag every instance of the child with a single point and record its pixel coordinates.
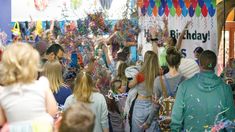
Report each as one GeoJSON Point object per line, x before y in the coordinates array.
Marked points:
{"type": "Point", "coordinates": [26, 104]}
{"type": "Point", "coordinates": [115, 103]}
{"type": "Point", "coordinates": [77, 118]}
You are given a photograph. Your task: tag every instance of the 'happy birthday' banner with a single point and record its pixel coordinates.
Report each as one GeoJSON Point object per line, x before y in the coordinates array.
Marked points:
{"type": "Point", "coordinates": [202, 14]}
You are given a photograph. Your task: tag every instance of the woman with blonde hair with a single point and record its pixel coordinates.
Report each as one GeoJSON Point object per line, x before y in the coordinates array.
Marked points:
{"type": "Point", "coordinates": [53, 71]}
{"type": "Point", "coordinates": [84, 91]}
{"type": "Point", "coordinates": [26, 104]}
{"type": "Point", "coordinates": [143, 82]}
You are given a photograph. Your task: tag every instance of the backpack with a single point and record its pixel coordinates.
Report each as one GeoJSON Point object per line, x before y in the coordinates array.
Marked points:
{"type": "Point", "coordinates": [166, 104]}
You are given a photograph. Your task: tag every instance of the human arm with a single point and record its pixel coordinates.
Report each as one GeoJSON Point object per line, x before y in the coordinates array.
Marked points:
{"type": "Point", "coordinates": [181, 37]}
{"type": "Point", "coordinates": [132, 83]}
{"type": "Point", "coordinates": [177, 112]}
{"type": "Point", "coordinates": [104, 115]}
{"type": "Point", "coordinates": [2, 117]}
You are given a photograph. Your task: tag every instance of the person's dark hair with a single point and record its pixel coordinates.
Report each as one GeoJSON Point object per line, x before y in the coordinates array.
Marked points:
{"type": "Point", "coordinates": [208, 60]}
{"type": "Point", "coordinates": [173, 57]}
{"type": "Point", "coordinates": [54, 48]}
{"type": "Point", "coordinates": [198, 50]}
{"type": "Point", "coordinates": [77, 118]}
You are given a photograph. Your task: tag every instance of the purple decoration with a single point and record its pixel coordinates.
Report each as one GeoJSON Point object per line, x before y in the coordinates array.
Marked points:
{"type": "Point", "coordinates": [184, 11]}
{"type": "Point", "coordinates": [152, 3]}
{"type": "Point", "coordinates": [211, 11]}
{"type": "Point", "coordinates": [169, 3]}
{"type": "Point", "coordinates": [201, 3]}
{"type": "Point", "coordinates": [160, 10]}
{"type": "Point", "coordinates": [143, 11]}
{"type": "Point", "coordinates": [182, 5]}
{"type": "Point", "coordinates": [191, 11]}
{"type": "Point", "coordinates": [163, 3]}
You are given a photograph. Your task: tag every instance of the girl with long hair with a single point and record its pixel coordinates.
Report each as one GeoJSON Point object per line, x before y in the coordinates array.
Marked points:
{"type": "Point", "coordinates": [84, 91]}
{"type": "Point", "coordinates": [143, 82]}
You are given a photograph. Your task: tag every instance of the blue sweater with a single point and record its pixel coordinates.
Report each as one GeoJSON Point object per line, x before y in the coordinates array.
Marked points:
{"type": "Point", "coordinates": [62, 94]}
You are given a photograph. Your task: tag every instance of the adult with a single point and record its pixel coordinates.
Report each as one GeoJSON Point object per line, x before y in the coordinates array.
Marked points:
{"type": "Point", "coordinates": [55, 51]}
{"type": "Point", "coordinates": [203, 99]}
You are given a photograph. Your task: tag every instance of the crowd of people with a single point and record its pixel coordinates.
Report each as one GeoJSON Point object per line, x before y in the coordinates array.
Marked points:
{"type": "Point", "coordinates": [90, 84]}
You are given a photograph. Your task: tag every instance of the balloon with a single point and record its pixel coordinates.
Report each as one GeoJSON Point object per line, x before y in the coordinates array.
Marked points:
{"type": "Point", "coordinates": [204, 10]}
{"type": "Point", "coordinates": [149, 11]}
{"type": "Point", "coordinates": [152, 3]}
{"type": "Point", "coordinates": [211, 11]}
{"type": "Point", "coordinates": [201, 3]}
{"type": "Point", "coordinates": [198, 11]}
{"type": "Point", "coordinates": [167, 10]}
{"type": "Point", "coordinates": [160, 11]}
{"type": "Point", "coordinates": [178, 11]}
{"type": "Point", "coordinates": [213, 2]}
{"type": "Point", "coordinates": [175, 3]}
{"type": "Point", "coordinates": [184, 11]}
{"type": "Point", "coordinates": [163, 3]}
{"type": "Point", "coordinates": [191, 11]}
{"type": "Point", "coordinates": [208, 3]}
{"type": "Point", "coordinates": [194, 3]}
{"type": "Point", "coordinates": [146, 3]}
{"type": "Point", "coordinates": [182, 5]}
{"type": "Point", "coordinates": [143, 11]}
{"type": "Point", "coordinates": [187, 3]}
{"type": "Point", "coordinates": [158, 3]}
{"type": "Point", "coordinates": [155, 11]}
{"type": "Point", "coordinates": [172, 11]}
{"type": "Point", "coordinates": [140, 3]}
{"type": "Point", "coordinates": [169, 3]}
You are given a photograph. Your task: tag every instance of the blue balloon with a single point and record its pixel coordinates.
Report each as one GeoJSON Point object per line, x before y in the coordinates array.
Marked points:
{"type": "Point", "coordinates": [169, 3]}
{"type": "Point", "coordinates": [160, 10]}
{"type": "Point", "coordinates": [163, 3]}
{"type": "Point", "coordinates": [143, 11]}
{"type": "Point", "coordinates": [191, 11]}
{"type": "Point", "coordinates": [201, 3]}
{"type": "Point", "coordinates": [152, 3]}
{"type": "Point", "coordinates": [208, 3]}
{"type": "Point", "coordinates": [149, 11]}
{"type": "Point", "coordinates": [182, 5]}
{"type": "Point", "coordinates": [185, 11]}
{"type": "Point", "coordinates": [211, 11]}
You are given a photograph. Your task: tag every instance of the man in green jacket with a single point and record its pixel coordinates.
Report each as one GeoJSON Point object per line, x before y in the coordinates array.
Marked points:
{"type": "Point", "coordinates": [202, 100]}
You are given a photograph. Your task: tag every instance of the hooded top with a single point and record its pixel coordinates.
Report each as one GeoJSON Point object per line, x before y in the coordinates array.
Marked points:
{"type": "Point", "coordinates": [200, 102]}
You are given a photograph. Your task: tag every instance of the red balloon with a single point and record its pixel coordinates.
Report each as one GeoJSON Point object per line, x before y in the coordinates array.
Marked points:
{"type": "Point", "coordinates": [204, 10]}
{"type": "Point", "coordinates": [175, 3]}
{"type": "Point", "coordinates": [146, 3]}
{"type": "Point", "coordinates": [167, 11]}
{"type": "Point", "coordinates": [194, 3]}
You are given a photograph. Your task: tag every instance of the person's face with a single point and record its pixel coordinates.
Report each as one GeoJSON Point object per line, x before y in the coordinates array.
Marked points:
{"type": "Point", "coordinates": [196, 55]}
{"type": "Point", "coordinates": [60, 54]}
{"type": "Point", "coordinates": [51, 57]}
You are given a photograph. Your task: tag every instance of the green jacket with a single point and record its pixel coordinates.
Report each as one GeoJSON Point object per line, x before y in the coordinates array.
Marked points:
{"type": "Point", "coordinates": [199, 100]}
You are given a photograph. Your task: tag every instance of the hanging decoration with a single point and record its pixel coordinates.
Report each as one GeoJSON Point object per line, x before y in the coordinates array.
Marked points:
{"type": "Point", "coordinates": [75, 4]}
{"type": "Point", "coordinates": [106, 4]}
{"type": "Point", "coordinates": [179, 7]}
{"type": "Point", "coordinates": [40, 5]}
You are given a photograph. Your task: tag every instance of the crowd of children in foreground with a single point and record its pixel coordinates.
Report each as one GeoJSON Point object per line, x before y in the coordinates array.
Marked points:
{"type": "Point", "coordinates": [43, 88]}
